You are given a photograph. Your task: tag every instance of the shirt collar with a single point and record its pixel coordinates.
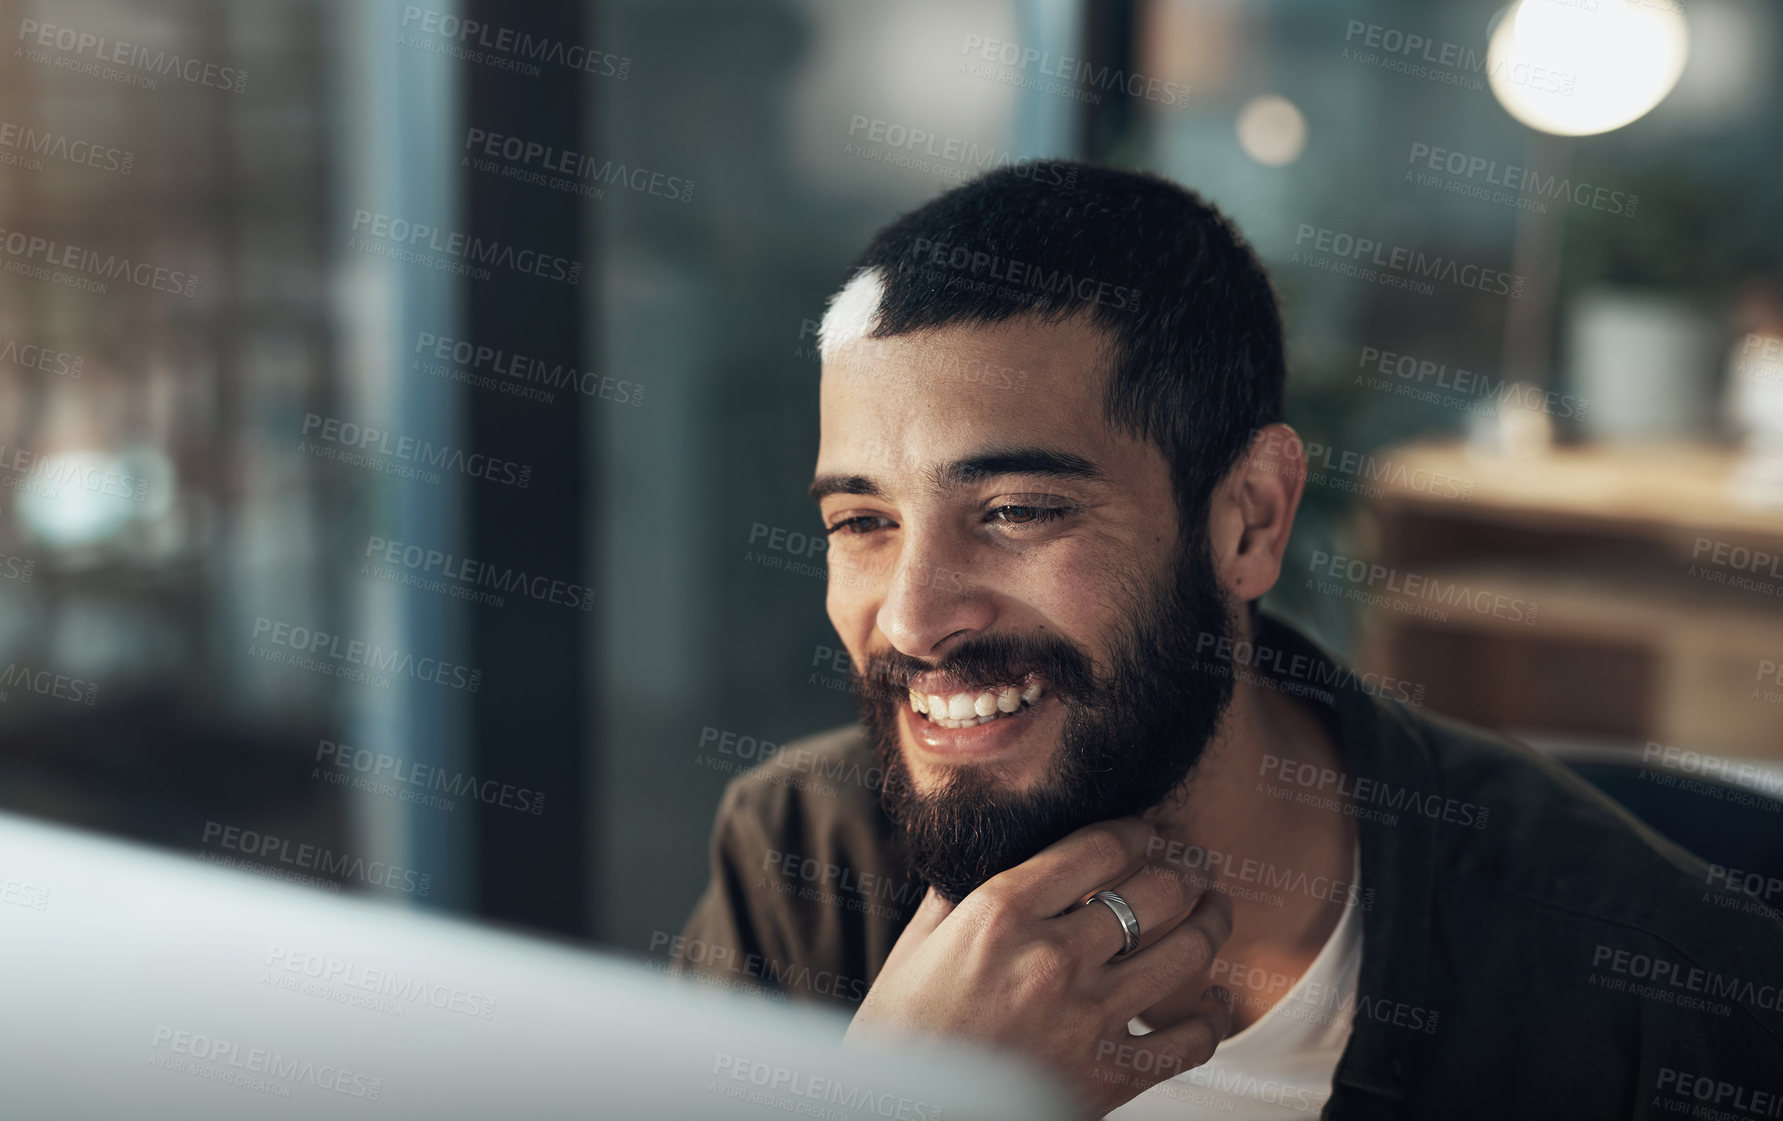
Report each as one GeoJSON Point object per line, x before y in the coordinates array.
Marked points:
{"type": "Point", "coordinates": [1398, 848]}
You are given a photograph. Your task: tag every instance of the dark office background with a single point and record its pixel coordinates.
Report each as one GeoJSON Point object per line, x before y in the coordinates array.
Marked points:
{"type": "Point", "coordinates": [753, 142]}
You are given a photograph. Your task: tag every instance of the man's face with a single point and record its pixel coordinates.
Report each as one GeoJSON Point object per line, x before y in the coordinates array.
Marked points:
{"type": "Point", "coordinates": [1008, 575]}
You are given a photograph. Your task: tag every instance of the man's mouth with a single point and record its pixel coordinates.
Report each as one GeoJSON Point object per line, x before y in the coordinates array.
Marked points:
{"type": "Point", "coordinates": [970, 707]}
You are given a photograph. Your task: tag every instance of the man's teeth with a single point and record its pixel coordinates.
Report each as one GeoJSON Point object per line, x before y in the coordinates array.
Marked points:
{"type": "Point", "coordinates": [964, 710]}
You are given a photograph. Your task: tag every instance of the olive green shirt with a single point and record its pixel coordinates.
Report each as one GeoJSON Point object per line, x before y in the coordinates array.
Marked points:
{"type": "Point", "coordinates": [1530, 949]}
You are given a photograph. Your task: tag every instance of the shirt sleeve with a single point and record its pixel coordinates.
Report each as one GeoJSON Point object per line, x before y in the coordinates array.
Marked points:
{"type": "Point", "coordinates": [738, 928]}
{"type": "Point", "coordinates": [808, 891]}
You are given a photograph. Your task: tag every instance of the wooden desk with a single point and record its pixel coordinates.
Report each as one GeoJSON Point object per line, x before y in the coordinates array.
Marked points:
{"type": "Point", "coordinates": [1648, 609]}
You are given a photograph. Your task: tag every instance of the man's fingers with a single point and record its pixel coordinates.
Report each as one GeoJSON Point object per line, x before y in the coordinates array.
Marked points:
{"type": "Point", "coordinates": [1184, 953]}
{"type": "Point", "coordinates": [1185, 1045]}
{"type": "Point", "coordinates": [1061, 874]}
{"type": "Point", "coordinates": [1159, 895]}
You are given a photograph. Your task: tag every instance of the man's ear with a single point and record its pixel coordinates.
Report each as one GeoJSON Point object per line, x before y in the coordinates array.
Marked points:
{"type": "Point", "coordinates": [1253, 509]}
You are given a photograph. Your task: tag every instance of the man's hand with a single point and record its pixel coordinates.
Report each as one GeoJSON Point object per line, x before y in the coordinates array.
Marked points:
{"type": "Point", "coordinates": [1018, 965]}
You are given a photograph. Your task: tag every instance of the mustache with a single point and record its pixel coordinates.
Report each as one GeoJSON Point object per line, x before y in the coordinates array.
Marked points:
{"type": "Point", "coordinates": [991, 659]}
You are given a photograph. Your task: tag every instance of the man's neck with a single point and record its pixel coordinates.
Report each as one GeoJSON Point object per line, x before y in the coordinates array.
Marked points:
{"type": "Point", "coordinates": [1286, 862]}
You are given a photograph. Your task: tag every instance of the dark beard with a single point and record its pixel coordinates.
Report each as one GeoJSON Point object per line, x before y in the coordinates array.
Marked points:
{"type": "Point", "coordinates": [1129, 740]}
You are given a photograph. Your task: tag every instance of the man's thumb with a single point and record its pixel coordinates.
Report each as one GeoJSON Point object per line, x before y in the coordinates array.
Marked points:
{"type": "Point", "coordinates": [929, 913]}
{"type": "Point", "coordinates": [935, 905]}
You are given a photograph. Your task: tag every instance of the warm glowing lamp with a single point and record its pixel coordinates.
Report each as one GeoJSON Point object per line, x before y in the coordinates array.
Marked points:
{"type": "Point", "coordinates": [1581, 67]}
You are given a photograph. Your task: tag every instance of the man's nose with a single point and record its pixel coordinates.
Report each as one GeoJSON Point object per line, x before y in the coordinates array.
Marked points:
{"type": "Point", "coordinates": [931, 601]}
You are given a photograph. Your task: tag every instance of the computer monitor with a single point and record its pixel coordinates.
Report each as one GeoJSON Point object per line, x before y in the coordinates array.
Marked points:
{"type": "Point", "coordinates": [145, 985]}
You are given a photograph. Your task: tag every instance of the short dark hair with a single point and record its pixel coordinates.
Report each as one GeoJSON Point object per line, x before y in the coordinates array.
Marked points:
{"type": "Point", "coordinates": [1196, 334]}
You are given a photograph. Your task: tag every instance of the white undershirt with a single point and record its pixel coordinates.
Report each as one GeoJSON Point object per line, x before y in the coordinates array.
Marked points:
{"type": "Point", "coordinates": [1281, 1065]}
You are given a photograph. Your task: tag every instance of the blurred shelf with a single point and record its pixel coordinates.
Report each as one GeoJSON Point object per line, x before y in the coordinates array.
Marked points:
{"type": "Point", "coordinates": [1664, 492]}
{"type": "Point", "coordinates": [1565, 596]}
{"type": "Point", "coordinates": [1605, 598]}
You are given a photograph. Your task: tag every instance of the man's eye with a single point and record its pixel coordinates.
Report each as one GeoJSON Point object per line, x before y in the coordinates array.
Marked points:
{"type": "Point", "coordinates": [861, 523]}
{"type": "Point", "coordinates": [1028, 515]}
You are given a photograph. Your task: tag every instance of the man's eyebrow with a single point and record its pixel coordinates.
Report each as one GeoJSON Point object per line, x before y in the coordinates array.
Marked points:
{"type": "Point", "coordinates": [1045, 462]}
{"type": "Point", "coordinates": [825, 485]}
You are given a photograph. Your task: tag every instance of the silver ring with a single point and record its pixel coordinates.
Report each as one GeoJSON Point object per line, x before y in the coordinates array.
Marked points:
{"type": "Point", "coordinates": [1129, 921]}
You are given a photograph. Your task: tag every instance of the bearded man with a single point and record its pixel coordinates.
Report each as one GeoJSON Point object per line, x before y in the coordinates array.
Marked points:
{"type": "Point", "coordinates": [1099, 809]}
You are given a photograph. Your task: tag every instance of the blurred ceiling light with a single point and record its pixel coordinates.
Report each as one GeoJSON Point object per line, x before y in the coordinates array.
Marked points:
{"type": "Point", "coordinates": [1581, 67]}
{"type": "Point", "coordinates": [1271, 130]}
{"type": "Point", "coordinates": [80, 498]}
